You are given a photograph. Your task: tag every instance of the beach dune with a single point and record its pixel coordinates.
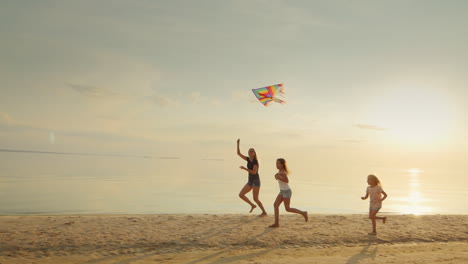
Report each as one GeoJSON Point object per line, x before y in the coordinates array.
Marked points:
{"type": "Point", "coordinates": [224, 238]}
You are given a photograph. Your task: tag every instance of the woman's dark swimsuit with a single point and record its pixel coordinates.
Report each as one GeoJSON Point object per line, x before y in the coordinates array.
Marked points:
{"type": "Point", "coordinates": [254, 179]}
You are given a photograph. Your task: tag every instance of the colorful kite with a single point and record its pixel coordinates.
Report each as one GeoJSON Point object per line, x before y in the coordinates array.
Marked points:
{"type": "Point", "coordinates": [268, 94]}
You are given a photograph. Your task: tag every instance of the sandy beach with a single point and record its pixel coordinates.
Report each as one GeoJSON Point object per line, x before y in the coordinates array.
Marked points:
{"type": "Point", "coordinates": [245, 238]}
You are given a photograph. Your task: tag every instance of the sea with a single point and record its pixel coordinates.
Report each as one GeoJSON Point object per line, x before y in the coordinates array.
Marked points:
{"type": "Point", "coordinates": [60, 183]}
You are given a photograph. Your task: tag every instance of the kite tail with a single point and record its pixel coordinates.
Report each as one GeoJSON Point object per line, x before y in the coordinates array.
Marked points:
{"type": "Point", "coordinates": [278, 100]}
{"type": "Point", "coordinates": [281, 88]}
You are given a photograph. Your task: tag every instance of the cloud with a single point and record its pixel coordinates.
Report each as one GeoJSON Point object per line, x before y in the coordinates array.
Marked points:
{"type": "Point", "coordinates": [8, 123]}
{"type": "Point", "coordinates": [288, 15]}
{"type": "Point", "coordinates": [216, 102]}
{"type": "Point", "coordinates": [243, 96]}
{"type": "Point", "coordinates": [162, 100]}
{"type": "Point", "coordinates": [198, 98]}
{"type": "Point", "coordinates": [5, 119]}
{"type": "Point", "coordinates": [370, 127]}
{"type": "Point", "coordinates": [195, 97]}
{"type": "Point", "coordinates": [92, 91]}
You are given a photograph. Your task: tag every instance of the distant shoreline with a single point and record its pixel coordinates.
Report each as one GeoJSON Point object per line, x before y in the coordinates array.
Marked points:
{"type": "Point", "coordinates": [83, 154]}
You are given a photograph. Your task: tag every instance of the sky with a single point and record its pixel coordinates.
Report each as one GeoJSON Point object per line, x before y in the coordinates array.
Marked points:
{"type": "Point", "coordinates": [368, 82]}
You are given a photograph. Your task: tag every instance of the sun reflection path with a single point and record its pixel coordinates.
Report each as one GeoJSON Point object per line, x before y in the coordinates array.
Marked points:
{"type": "Point", "coordinates": [415, 198]}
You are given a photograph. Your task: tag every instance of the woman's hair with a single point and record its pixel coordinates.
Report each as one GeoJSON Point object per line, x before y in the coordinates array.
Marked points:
{"type": "Point", "coordinates": [255, 158]}
{"type": "Point", "coordinates": [285, 165]}
{"type": "Point", "coordinates": [377, 181]}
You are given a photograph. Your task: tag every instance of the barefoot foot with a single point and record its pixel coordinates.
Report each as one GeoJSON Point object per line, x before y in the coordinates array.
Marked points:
{"type": "Point", "coordinates": [253, 207]}
{"type": "Point", "coordinates": [384, 220]}
{"type": "Point", "coordinates": [274, 225]}
{"type": "Point", "coordinates": [306, 217]}
{"type": "Point", "coordinates": [262, 214]}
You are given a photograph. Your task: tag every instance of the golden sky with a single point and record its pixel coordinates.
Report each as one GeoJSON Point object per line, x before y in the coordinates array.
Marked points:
{"type": "Point", "coordinates": [381, 82]}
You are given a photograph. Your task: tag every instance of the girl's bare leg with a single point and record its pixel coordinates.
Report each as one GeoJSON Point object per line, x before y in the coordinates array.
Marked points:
{"type": "Point", "coordinates": [373, 218]}
{"type": "Point", "coordinates": [287, 201]}
{"type": "Point", "coordinates": [242, 194]}
{"type": "Point", "coordinates": [256, 192]}
{"type": "Point", "coordinates": [276, 205]}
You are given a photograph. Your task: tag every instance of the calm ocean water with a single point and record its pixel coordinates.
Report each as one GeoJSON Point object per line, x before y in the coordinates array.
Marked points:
{"type": "Point", "coordinates": [32, 183]}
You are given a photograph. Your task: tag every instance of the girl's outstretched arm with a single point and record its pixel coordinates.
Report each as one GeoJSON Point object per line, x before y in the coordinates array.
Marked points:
{"type": "Point", "coordinates": [238, 151]}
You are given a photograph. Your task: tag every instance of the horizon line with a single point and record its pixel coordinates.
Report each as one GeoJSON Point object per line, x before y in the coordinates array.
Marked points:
{"type": "Point", "coordinates": [83, 154]}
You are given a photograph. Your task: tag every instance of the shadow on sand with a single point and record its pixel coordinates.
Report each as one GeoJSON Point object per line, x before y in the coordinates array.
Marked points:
{"type": "Point", "coordinates": [239, 257]}
{"type": "Point", "coordinates": [150, 252]}
{"type": "Point", "coordinates": [366, 252]}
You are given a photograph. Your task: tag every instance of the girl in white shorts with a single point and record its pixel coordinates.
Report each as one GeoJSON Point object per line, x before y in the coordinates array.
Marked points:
{"type": "Point", "coordinates": [285, 192]}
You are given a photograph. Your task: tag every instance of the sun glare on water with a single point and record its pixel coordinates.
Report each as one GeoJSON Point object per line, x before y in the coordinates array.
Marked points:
{"type": "Point", "coordinates": [414, 202]}
{"type": "Point", "coordinates": [414, 171]}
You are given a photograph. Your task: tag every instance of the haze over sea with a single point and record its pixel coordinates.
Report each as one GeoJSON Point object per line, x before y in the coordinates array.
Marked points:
{"type": "Point", "coordinates": [32, 183]}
